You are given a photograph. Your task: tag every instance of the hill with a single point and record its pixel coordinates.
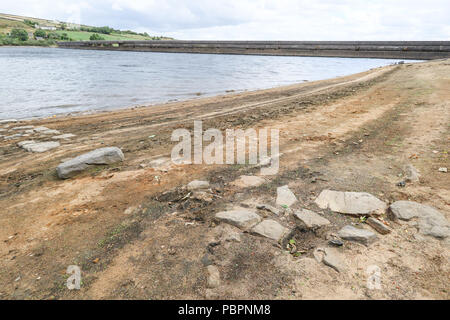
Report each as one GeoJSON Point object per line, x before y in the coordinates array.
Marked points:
{"type": "Point", "coordinates": [36, 31]}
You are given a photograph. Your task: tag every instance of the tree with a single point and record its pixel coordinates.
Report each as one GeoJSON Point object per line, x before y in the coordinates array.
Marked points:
{"type": "Point", "coordinates": [96, 36]}
{"type": "Point", "coordinates": [20, 34]}
{"type": "Point", "coordinates": [65, 36]}
{"type": "Point", "coordinates": [40, 33]}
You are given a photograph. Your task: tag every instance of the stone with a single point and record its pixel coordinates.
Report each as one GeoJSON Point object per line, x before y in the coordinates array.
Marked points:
{"type": "Point", "coordinates": [14, 136]}
{"type": "Point", "coordinates": [354, 203]}
{"type": "Point", "coordinates": [22, 128]}
{"type": "Point", "coordinates": [270, 229]}
{"type": "Point", "coordinates": [22, 143]}
{"type": "Point", "coordinates": [285, 197]}
{"type": "Point", "coordinates": [202, 196]}
{"type": "Point", "coordinates": [41, 129]}
{"type": "Point", "coordinates": [97, 157]}
{"type": "Point", "coordinates": [411, 174]}
{"type": "Point", "coordinates": [431, 221]}
{"type": "Point", "coordinates": [249, 181]}
{"type": "Point", "coordinates": [64, 136]}
{"type": "Point", "coordinates": [159, 163]}
{"type": "Point", "coordinates": [378, 225]}
{"type": "Point", "coordinates": [268, 208]}
{"type": "Point", "coordinates": [358, 235]}
{"type": "Point", "coordinates": [241, 218]}
{"type": "Point", "coordinates": [50, 131]}
{"type": "Point", "coordinates": [310, 219]}
{"type": "Point", "coordinates": [213, 280]}
{"type": "Point", "coordinates": [40, 146]}
{"type": "Point", "coordinates": [333, 259]}
{"type": "Point", "coordinates": [443, 169]}
{"type": "Point", "coordinates": [8, 121]}
{"type": "Point", "coordinates": [197, 184]}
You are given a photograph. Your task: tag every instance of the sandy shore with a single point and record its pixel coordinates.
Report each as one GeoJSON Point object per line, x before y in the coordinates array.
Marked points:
{"type": "Point", "coordinates": [134, 234]}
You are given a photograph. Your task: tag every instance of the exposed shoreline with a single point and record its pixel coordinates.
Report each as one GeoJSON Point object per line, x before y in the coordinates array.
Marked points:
{"type": "Point", "coordinates": [136, 236]}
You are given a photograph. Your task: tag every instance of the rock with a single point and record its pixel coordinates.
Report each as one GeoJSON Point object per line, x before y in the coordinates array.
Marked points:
{"type": "Point", "coordinates": [213, 277]}
{"type": "Point", "coordinates": [40, 146]}
{"type": "Point", "coordinates": [378, 225]}
{"type": "Point", "coordinates": [431, 221]}
{"type": "Point", "coordinates": [318, 254]}
{"type": "Point", "coordinates": [332, 258]}
{"type": "Point", "coordinates": [249, 181]}
{"type": "Point", "coordinates": [270, 229]}
{"type": "Point", "coordinates": [41, 129]}
{"type": "Point", "coordinates": [12, 137]}
{"type": "Point", "coordinates": [100, 156]}
{"type": "Point", "coordinates": [22, 143]}
{"type": "Point", "coordinates": [268, 208]}
{"type": "Point", "coordinates": [159, 163]}
{"type": "Point", "coordinates": [358, 235]}
{"type": "Point", "coordinates": [197, 184]}
{"type": "Point", "coordinates": [443, 170]}
{"type": "Point", "coordinates": [310, 219]}
{"type": "Point", "coordinates": [241, 218]}
{"type": "Point", "coordinates": [355, 203]}
{"type": "Point", "coordinates": [202, 196]}
{"type": "Point", "coordinates": [50, 131]}
{"type": "Point", "coordinates": [22, 128]}
{"type": "Point", "coordinates": [411, 173]}
{"type": "Point", "coordinates": [5, 121]}
{"type": "Point", "coordinates": [285, 197]}
{"type": "Point", "coordinates": [64, 136]}
{"type": "Point", "coordinates": [336, 242]}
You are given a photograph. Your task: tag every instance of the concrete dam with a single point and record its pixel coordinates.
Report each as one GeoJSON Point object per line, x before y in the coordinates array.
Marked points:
{"type": "Point", "coordinates": [417, 50]}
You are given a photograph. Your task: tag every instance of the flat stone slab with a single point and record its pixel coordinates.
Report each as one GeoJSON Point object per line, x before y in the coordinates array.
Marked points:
{"type": "Point", "coordinates": [270, 229]}
{"type": "Point", "coordinates": [310, 219]}
{"type": "Point", "coordinates": [333, 259]}
{"type": "Point", "coordinates": [249, 181]}
{"type": "Point", "coordinates": [354, 203]}
{"type": "Point", "coordinates": [22, 128]}
{"type": "Point", "coordinates": [358, 235]}
{"type": "Point", "coordinates": [431, 221]}
{"type": "Point", "coordinates": [285, 197]}
{"type": "Point", "coordinates": [241, 218]}
{"type": "Point", "coordinates": [197, 185]}
{"type": "Point", "coordinates": [97, 157]}
{"type": "Point", "coordinates": [378, 225]}
{"type": "Point", "coordinates": [269, 208]}
{"type": "Point", "coordinates": [40, 146]}
{"type": "Point", "coordinates": [8, 121]}
{"type": "Point", "coordinates": [64, 136]}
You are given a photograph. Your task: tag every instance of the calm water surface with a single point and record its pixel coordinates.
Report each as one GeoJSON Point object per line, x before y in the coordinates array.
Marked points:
{"type": "Point", "coordinates": [39, 82]}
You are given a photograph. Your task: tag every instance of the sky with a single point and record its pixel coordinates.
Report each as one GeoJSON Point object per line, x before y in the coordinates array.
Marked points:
{"type": "Point", "coordinates": [253, 19]}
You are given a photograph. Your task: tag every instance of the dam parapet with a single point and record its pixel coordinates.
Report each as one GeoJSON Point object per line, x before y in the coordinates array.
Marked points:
{"type": "Point", "coordinates": [416, 50]}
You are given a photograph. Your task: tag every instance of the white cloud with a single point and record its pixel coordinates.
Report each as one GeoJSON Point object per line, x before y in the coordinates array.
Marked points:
{"type": "Point", "coordinates": [257, 20]}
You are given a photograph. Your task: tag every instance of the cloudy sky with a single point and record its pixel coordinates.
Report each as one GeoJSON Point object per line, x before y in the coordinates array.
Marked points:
{"type": "Point", "coordinates": [254, 19]}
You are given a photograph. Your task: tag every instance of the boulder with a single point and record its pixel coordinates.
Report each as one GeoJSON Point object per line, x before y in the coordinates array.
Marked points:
{"type": "Point", "coordinates": [430, 221]}
{"type": "Point", "coordinates": [73, 166]}
{"type": "Point", "coordinates": [197, 184]}
{"type": "Point", "coordinates": [270, 229]}
{"type": "Point", "coordinates": [358, 235]}
{"type": "Point", "coordinates": [354, 203]}
{"type": "Point", "coordinates": [285, 197]}
{"type": "Point", "coordinates": [310, 219]}
{"type": "Point", "coordinates": [241, 218]}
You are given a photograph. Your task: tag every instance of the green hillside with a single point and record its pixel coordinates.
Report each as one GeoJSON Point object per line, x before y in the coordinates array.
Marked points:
{"type": "Point", "coordinates": [18, 30]}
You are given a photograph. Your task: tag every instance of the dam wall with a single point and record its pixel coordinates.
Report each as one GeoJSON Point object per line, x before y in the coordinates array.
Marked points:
{"type": "Point", "coordinates": [417, 50]}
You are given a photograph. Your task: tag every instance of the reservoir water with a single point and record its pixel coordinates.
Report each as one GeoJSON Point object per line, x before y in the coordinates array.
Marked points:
{"type": "Point", "coordinates": [40, 82]}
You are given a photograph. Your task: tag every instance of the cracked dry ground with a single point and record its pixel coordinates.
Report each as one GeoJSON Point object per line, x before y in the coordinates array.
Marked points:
{"type": "Point", "coordinates": [134, 236]}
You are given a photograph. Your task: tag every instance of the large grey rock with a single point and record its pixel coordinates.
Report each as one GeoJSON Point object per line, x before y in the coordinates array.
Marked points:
{"type": "Point", "coordinates": [270, 229]}
{"type": "Point", "coordinates": [197, 184]}
{"type": "Point", "coordinates": [355, 203]}
{"type": "Point", "coordinates": [358, 235]}
{"type": "Point", "coordinates": [100, 156]}
{"type": "Point", "coordinates": [285, 197]}
{"type": "Point", "coordinates": [241, 218]}
{"type": "Point", "coordinates": [310, 219]}
{"type": "Point", "coordinates": [40, 146]}
{"type": "Point", "coordinates": [430, 221]}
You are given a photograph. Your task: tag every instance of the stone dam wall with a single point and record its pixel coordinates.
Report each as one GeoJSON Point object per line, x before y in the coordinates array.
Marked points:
{"type": "Point", "coordinates": [419, 50]}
